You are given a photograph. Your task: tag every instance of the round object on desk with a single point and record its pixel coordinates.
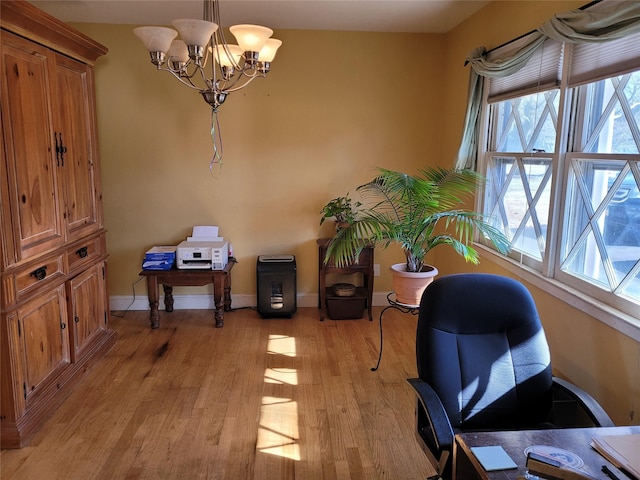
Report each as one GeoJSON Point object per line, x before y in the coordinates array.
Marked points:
{"type": "Point", "coordinates": [343, 290]}
{"type": "Point", "coordinates": [554, 453]}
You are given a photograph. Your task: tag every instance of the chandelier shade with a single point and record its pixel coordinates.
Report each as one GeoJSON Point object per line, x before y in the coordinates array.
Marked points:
{"type": "Point", "coordinates": [251, 38]}
{"type": "Point", "coordinates": [268, 52]}
{"type": "Point", "coordinates": [231, 68]}
{"type": "Point", "coordinates": [228, 55]}
{"type": "Point", "coordinates": [156, 39]}
{"type": "Point", "coordinates": [178, 54]}
{"type": "Point", "coordinates": [195, 32]}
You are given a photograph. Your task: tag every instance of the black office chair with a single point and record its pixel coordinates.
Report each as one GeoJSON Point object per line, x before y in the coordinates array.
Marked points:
{"type": "Point", "coordinates": [484, 364]}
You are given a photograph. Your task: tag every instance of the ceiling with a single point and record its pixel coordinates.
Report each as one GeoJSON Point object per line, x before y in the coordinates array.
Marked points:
{"type": "Point", "coordinates": [428, 16]}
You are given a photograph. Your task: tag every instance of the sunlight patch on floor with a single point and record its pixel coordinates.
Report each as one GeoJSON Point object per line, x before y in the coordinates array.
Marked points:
{"type": "Point", "coordinates": [278, 432]}
{"type": "Point", "coordinates": [282, 345]}
{"type": "Point", "coordinates": [288, 376]}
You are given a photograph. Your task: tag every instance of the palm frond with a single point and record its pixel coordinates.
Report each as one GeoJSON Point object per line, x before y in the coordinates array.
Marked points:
{"type": "Point", "coordinates": [417, 212]}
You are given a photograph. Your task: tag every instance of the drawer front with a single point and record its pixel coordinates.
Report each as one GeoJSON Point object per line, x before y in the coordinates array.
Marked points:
{"type": "Point", "coordinates": [85, 253]}
{"type": "Point", "coordinates": [37, 274]}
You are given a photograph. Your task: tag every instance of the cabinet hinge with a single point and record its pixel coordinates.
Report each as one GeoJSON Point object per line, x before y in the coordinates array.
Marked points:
{"type": "Point", "coordinates": [24, 389]}
{"type": "Point", "coordinates": [19, 329]}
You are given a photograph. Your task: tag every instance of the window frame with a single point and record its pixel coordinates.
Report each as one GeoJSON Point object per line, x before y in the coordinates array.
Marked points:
{"type": "Point", "coordinates": [610, 308]}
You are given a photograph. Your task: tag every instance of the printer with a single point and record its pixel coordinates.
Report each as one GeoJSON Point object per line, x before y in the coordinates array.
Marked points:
{"type": "Point", "coordinates": [203, 250]}
{"type": "Point", "coordinates": [205, 255]}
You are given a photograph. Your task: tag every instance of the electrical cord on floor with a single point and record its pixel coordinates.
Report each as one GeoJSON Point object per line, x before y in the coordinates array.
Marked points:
{"type": "Point", "coordinates": [243, 308]}
{"type": "Point", "coordinates": [133, 288]}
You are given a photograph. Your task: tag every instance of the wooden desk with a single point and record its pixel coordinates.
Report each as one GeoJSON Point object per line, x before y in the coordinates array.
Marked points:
{"type": "Point", "coordinates": [364, 266]}
{"type": "Point", "coordinates": [221, 280]}
{"type": "Point", "coordinates": [575, 440]}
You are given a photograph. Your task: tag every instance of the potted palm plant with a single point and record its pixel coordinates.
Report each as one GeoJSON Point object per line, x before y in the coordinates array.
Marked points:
{"type": "Point", "coordinates": [418, 213]}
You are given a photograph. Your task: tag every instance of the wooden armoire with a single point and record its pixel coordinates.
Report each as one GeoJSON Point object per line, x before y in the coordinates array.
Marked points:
{"type": "Point", "coordinates": [53, 298]}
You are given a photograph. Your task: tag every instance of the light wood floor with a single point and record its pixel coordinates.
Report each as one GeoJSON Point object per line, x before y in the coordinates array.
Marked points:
{"type": "Point", "coordinates": [257, 399]}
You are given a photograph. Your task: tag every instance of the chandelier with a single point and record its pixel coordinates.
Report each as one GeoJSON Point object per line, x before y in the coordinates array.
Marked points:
{"type": "Point", "coordinates": [203, 60]}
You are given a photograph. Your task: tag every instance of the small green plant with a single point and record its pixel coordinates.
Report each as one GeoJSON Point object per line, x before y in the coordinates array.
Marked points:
{"type": "Point", "coordinates": [341, 209]}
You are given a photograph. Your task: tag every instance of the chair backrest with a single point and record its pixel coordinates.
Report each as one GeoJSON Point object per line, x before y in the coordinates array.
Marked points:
{"type": "Point", "coordinates": [481, 347]}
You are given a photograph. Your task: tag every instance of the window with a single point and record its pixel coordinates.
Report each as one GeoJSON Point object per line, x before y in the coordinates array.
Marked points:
{"type": "Point", "coordinates": [562, 161]}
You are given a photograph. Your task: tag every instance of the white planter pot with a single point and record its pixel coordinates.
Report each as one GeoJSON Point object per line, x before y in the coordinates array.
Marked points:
{"type": "Point", "coordinates": [409, 286]}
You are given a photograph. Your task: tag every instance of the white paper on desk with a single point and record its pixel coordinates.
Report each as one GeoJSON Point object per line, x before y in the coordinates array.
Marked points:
{"type": "Point", "coordinates": [621, 450]}
{"type": "Point", "coordinates": [205, 239]}
{"type": "Point", "coordinates": [493, 458]}
{"type": "Point", "coordinates": [205, 231]}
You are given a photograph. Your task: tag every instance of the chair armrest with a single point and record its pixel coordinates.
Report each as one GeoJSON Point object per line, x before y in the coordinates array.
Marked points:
{"type": "Point", "coordinates": [436, 414]}
{"type": "Point", "coordinates": [588, 404]}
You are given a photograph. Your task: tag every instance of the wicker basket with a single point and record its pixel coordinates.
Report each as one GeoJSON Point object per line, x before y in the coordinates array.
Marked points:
{"type": "Point", "coordinates": [344, 290]}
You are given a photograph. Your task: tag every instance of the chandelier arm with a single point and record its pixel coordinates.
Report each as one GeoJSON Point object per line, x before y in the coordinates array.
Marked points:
{"type": "Point", "coordinates": [253, 73]}
{"type": "Point", "coordinates": [184, 79]}
{"type": "Point", "coordinates": [231, 87]}
{"type": "Point", "coordinates": [183, 73]}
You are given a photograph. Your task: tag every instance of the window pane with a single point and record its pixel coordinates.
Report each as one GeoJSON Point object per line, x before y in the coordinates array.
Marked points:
{"type": "Point", "coordinates": [601, 242]}
{"type": "Point", "coordinates": [517, 198]}
{"type": "Point", "coordinates": [612, 115]}
{"type": "Point", "coordinates": [527, 124]}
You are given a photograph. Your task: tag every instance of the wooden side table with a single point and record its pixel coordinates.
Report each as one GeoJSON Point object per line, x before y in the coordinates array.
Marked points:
{"type": "Point", "coordinates": [221, 280]}
{"type": "Point", "coordinates": [364, 266]}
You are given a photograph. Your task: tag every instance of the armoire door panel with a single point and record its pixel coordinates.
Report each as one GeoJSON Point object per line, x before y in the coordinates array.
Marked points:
{"type": "Point", "coordinates": [45, 337]}
{"type": "Point", "coordinates": [86, 308]}
{"type": "Point", "coordinates": [72, 123]}
{"type": "Point", "coordinates": [26, 123]}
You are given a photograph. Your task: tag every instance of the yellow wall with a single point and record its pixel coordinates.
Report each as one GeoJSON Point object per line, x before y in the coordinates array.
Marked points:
{"type": "Point", "coordinates": [591, 354]}
{"type": "Point", "coordinates": [335, 106]}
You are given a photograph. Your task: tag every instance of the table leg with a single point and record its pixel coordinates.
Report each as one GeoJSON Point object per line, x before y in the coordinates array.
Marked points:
{"type": "Point", "coordinates": [369, 284]}
{"type": "Point", "coordinates": [218, 298]}
{"type": "Point", "coordinates": [168, 298]}
{"type": "Point", "coordinates": [373, 369]}
{"type": "Point", "coordinates": [413, 310]}
{"type": "Point", "coordinates": [152, 292]}
{"type": "Point", "coordinates": [227, 293]}
{"type": "Point", "coordinates": [322, 301]}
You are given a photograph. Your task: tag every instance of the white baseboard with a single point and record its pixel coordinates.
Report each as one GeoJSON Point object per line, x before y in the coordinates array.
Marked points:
{"type": "Point", "coordinates": [205, 302]}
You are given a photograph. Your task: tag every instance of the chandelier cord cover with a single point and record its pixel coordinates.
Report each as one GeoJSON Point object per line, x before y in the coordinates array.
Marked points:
{"type": "Point", "coordinates": [203, 60]}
